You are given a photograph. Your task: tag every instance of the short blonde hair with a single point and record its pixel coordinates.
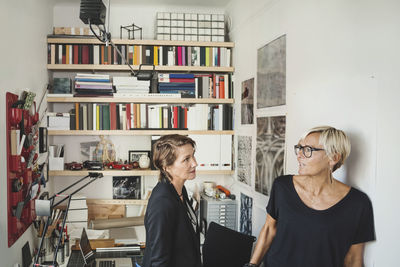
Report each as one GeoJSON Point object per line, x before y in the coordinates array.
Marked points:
{"type": "Point", "coordinates": [334, 141]}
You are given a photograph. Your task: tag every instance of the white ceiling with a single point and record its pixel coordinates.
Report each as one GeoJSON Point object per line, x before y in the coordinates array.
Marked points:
{"type": "Point", "coordinates": [207, 3]}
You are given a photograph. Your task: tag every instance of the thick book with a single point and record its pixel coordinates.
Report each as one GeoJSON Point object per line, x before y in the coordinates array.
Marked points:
{"type": "Point", "coordinates": [177, 85]}
{"type": "Point", "coordinates": [80, 117]}
{"type": "Point", "coordinates": [84, 116]}
{"type": "Point", "coordinates": [90, 116]}
{"type": "Point", "coordinates": [113, 116]}
{"type": "Point", "coordinates": [72, 118]}
{"type": "Point", "coordinates": [176, 75]}
{"type": "Point", "coordinates": [106, 117]}
{"type": "Point", "coordinates": [117, 117]}
{"type": "Point", "coordinates": [176, 80]}
{"type": "Point", "coordinates": [77, 116]}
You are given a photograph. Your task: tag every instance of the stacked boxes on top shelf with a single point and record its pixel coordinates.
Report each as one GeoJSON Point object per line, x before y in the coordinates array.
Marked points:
{"type": "Point", "coordinates": [190, 27]}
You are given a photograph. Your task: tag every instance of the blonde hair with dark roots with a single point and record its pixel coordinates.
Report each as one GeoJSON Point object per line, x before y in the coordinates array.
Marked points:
{"type": "Point", "coordinates": [164, 152]}
{"type": "Point", "coordinates": [334, 141]}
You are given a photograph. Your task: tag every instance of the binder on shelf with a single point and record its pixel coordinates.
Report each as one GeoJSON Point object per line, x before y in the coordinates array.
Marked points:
{"type": "Point", "coordinates": [226, 152]}
{"type": "Point", "coordinates": [208, 150]}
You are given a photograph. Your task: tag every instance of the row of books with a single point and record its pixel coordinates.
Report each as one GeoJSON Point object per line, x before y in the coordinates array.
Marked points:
{"type": "Point", "coordinates": [169, 84]}
{"type": "Point", "coordinates": [196, 85]}
{"type": "Point", "coordinates": [113, 116]}
{"type": "Point", "coordinates": [139, 54]}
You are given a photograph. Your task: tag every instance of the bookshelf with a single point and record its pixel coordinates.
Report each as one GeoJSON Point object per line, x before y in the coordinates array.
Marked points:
{"type": "Point", "coordinates": [220, 50]}
{"type": "Point", "coordinates": [138, 172]}
{"type": "Point", "coordinates": [136, 132]}
{"type": "Point", "coordinates": [222, 66]}
{"type": "Point", "coordinates": [140, 100]}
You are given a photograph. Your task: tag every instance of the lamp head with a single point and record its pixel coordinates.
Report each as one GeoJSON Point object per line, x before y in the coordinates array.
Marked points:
{"type": "Point", "coordinates": [92, 12]}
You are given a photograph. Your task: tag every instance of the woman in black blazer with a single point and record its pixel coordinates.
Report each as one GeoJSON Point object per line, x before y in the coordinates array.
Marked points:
{"type": "Point", "coordinates": [172, 232]}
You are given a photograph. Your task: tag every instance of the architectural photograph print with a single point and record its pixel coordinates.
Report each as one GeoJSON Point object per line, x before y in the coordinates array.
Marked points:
{"type": "Point", "coordinates": [247, 104]}
{"type": "Point", "coordinates": [271, 74]}
{"type": "Point", "coordinates": [246, 213]}
{"type": "Point", "coordinates": [244, 159]}
{"type": "Point", "coordinates": [126, 187]}
{"type": "Point", "coordinates": [270, 150]}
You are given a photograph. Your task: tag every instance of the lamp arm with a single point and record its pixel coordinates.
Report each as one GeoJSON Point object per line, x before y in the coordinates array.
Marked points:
{"type": "Point", "coordinates": [65, 189]}
{"type": "Point", "coordinates": [73, 193]}
{"type": "Point", "coordinates": [91, 174]}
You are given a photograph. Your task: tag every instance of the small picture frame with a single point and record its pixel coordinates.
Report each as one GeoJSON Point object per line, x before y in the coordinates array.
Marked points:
{"type": "Point", "coordinates": [134, 155]}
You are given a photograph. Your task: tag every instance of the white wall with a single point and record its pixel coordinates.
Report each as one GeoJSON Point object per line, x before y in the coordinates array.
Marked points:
{"type": "Point", "coordinates": [67, 15]}
{"type": "Point", "coordinates": [342, 59]}
{"type": "Point", "coordinates": [25, 24]}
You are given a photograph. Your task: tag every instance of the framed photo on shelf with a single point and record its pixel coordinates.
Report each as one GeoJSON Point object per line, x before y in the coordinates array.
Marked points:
{"type": "Point", "coordinates": [127, 187]}
{"type": "Point", "coordinates": [134, 155]}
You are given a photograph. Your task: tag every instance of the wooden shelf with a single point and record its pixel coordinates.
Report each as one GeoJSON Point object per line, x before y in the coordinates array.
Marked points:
{"type": "Point", "coordinates": [139, 100]}
{"type": "Point", "coordinates": [111, 67]}
{"type": "Point", "coordinates": [136, 132]}
{"type": "Point", "coordinates": [116, 201]}
{"type": "Point", "coordinates": [132, 172]}
{"type": "Point", "coordinates": [93, 40]}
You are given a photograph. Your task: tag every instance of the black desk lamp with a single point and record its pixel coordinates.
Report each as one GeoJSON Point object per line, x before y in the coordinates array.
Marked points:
{"type": "Point", "coordinates": [93, 12]}
{"type": "Point", "coordinates": [94, 176]}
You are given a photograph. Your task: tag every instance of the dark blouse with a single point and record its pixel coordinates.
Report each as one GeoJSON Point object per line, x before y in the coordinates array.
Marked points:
{"type": "Point", "coordinates": [307, 237]}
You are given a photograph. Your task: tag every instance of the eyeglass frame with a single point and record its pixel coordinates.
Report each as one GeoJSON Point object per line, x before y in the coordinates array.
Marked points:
{"type": "Point", "coordinates": [300, 147]}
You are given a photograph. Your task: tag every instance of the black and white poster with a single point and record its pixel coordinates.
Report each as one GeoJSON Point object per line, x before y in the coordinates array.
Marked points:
{"type": "Point", "coordinates": [244, 159]}
{"type": "Point", "coordinates": [247, 104]}
{"type": "Point", "coordinates": [126, 187]}
{"type": "Point", "coordinates": [270, 151]}
{"type": "Point", "coordinates": [271, 74]}
{"type": "Point", "coordinates": [246, 213]}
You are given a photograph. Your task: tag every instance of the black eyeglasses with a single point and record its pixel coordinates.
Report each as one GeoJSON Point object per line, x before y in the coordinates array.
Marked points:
{"type": "Point", "coordinates": [307, 150]}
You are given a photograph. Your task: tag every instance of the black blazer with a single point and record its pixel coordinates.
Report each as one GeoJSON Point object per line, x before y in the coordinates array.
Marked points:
{"type": "Point", "coordinates": [171, 240]}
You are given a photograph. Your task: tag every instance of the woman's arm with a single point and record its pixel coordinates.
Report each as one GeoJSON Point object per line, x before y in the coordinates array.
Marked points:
{"type": "Point", "coordinates": [355, 256]}
{"type": "Point", "coordinates": [264, 241]}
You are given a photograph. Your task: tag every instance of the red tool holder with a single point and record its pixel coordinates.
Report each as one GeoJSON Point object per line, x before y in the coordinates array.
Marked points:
{"type": "Point", "coordinates": [17, 171]}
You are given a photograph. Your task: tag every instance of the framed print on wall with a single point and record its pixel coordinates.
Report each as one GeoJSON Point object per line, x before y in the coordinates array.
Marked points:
{"type": "Point", "coordinates": [247, 101]}
{"type": "Point", "coordinates": [271, 74]}
{"type": "Point", "coordinates": [270, 151]}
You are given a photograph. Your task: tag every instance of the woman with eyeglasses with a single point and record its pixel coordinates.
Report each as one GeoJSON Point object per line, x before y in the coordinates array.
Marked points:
{"type": "Point", "coordinates": [172, 232]}
{"type": "Point", "coordinates": [313, 219]}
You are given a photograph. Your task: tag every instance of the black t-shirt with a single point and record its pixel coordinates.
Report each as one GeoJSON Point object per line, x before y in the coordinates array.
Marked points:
{"type": "Point", "coordinates": [306, 237]}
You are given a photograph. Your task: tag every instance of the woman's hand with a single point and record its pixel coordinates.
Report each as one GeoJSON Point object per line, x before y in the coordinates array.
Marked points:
{"type": "Point", "coordinates": [355, 256]}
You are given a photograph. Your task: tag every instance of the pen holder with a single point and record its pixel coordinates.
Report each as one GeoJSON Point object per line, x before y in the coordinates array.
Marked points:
{"type": "Point", "coordinates": [15, 116]}
{"type": "Point", "coordinates": [56, 164]}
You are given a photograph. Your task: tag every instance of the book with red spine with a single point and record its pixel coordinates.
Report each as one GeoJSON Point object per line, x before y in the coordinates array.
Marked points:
{"type": "Point", "coordinates": [180, 55]}
{"type": "Point", "coordinates": [113, 116]}
{"type": "Point", "coordinates": [221, 86]}
{"type": "Point", "coordinates": [128, 116]}
{"type": "Point", "coordinates": [175, 117]}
